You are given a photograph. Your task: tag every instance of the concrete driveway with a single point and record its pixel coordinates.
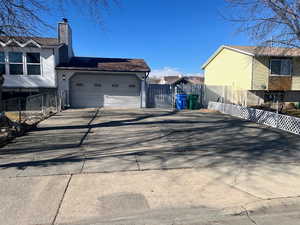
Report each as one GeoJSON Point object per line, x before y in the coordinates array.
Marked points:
{"type": "Point", "coordinates": [82, 141]}
{"type": "Point", "coordinates": [146, 167]}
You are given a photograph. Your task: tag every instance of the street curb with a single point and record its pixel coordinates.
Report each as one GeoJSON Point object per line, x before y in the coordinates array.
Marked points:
{"type": "Point", "coordinates": [265, 206]}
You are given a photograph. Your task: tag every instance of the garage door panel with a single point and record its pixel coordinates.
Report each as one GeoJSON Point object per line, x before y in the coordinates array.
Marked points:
{"type": "Point", "coordinates": [84, 93]}
{"type": "Point", "coordinates": [121, 101]}
{"type": "Point", "coordinates": [79, 101]}
{"type": "Point", "coordinates": [114, 91]}
{"type": "Point", "coordinates": [119, 92]}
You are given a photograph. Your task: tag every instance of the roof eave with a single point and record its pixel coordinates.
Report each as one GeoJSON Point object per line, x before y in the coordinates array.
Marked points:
{"type": "Point", "coordinates": [100, 70]}
{"type": "Point", "coordinates": [273, 55]}
{"type": "Point", "coordinates": [52, 46]}
{"type": "Point", "coordinates": [40, 46]}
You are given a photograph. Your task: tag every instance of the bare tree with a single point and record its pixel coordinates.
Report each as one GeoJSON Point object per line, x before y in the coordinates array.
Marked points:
{"type": "Point", "coordinates": [275, 22]}
{"type": "Point", "coordinates": [26, 17]}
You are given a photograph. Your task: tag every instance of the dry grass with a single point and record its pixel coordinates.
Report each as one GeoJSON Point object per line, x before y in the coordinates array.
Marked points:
{"type": "Point", "coordinates": [293, 112]}
{"type": "Point", "coordinates": [13, 116]}
{"type": "Point", "coordinates": [208, 111]}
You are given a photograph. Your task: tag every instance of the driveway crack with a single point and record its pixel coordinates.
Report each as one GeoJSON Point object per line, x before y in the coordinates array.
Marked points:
{"type": "Point", "coordinates": [85, 136]}
{"type": "Point", "coordinates": [248, 215]}
{"type": "Point", "coordinates": [89, 125]}
{"type": "Point", "coordinates": [246, 192]}
{"type": "Point", "coordinates": [61, 201]}
{"type": "Point", "coordinates": [137, 162]}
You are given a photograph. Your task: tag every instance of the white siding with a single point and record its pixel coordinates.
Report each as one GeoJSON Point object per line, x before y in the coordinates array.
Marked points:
{"type": "Point", "coordinates": [47, 78]}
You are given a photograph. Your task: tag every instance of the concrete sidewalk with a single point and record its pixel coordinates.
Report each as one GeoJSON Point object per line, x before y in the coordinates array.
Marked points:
{"type": "Point", "coordinates": [156, 197]}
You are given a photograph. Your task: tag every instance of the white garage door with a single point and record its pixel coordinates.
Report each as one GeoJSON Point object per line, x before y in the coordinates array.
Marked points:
{"type": "Point", "coordinates": [115, 91]}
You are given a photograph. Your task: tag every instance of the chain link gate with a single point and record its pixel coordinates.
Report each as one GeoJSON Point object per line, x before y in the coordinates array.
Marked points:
{"type": "Point", "coordinates": [160, 96]}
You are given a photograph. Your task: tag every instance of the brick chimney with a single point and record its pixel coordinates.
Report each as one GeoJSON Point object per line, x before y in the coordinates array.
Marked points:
{"type": "Point", "coordinates": [65, 37]}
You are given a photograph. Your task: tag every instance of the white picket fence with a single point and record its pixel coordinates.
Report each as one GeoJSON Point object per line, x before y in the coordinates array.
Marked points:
{"type": "Point", "coordinates": [283, 122]}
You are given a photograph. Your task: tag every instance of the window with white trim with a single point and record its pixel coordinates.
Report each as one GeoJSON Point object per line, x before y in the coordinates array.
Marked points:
{"type": "Point", "coordinates": [281, 67]}
{"type": "Point", "coordinates": [33, 61]}
{"type": "Point", "coordinates": [2, 62]}
{"type": "Point", "coordinates": [15, 60]}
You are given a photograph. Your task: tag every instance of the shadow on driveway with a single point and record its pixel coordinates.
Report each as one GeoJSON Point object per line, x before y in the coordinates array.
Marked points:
{"type": "Point", "coordinates": [153, 140]}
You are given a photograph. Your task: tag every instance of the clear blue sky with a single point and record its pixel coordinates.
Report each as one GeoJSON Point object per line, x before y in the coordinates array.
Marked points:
{"type": "Point", "coordinates": [179, 34]}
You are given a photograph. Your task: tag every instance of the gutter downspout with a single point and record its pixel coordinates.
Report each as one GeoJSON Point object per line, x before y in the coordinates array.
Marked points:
{"type": "Point", "coordinates": [145, 90]}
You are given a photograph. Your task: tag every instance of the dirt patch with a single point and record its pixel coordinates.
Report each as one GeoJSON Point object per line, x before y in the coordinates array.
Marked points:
{"type": "Point", "coordinates": [10, 129]}
{"type": "Point", "coordinates": [284, 109]}
{"type": "Point", "coordinates": [25, 117]}
{"type": "Point", "coordinates": [13, 124]}
{"type": "Point", "coordinates": [13, 116]}
{"type": "Point", "coordinates": [208, 111]}
{"type": "Point", "coordinates": [293, 112]}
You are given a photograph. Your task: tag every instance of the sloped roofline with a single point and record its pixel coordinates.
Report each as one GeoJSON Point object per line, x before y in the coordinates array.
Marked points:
{"type": "Point", "coordinates": [220, 49]}
{"type": "Point", "coordinates": [7, 41]}
{"type": "Point", "coordinates": [4, 44]}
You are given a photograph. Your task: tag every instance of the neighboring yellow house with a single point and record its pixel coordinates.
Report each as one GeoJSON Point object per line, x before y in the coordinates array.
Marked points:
{"type": "Point", "coordinates": [249, 75]}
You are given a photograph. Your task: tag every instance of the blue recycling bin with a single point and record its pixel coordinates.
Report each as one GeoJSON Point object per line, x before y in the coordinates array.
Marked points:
{"type": "Point", "coordinates": [181, 101]}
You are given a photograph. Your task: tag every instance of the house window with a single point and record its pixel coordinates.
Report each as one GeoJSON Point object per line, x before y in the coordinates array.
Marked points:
{"type": "Point", "coordinates": [15, 63]}
{"type": "Point", "coordinates": [79, 84]}
{"type": "Point", "coordinates": [97, 85]}
{"type": "Point", "coordinates": [2, 63]}
{"type": "Point", "coordinates": [115, 85]}
{"type": "Point", "coordinates": [33, 63]}
{"type": "Point", "coordinates": [131, 85]}
{"type": "Point", "coordinates": [281, 67]}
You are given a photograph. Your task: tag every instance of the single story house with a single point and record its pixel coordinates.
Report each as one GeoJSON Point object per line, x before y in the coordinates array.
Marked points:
{"type": "Point", "coordinates": [191, 80]}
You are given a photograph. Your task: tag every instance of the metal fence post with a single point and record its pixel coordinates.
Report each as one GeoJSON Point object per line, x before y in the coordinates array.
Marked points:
{"type": "Point", "coordinates": [277, 113]}
{"type": "Point", "coordinates": [56, 103]}
{"type": "Point", "coordinates": [19, 108]}
{"type": "Point", "coordinates": [43, 104]}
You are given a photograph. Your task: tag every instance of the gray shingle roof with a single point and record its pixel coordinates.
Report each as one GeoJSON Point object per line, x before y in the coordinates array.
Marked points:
{"type": "Point", "coordinates": [268, 51]}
